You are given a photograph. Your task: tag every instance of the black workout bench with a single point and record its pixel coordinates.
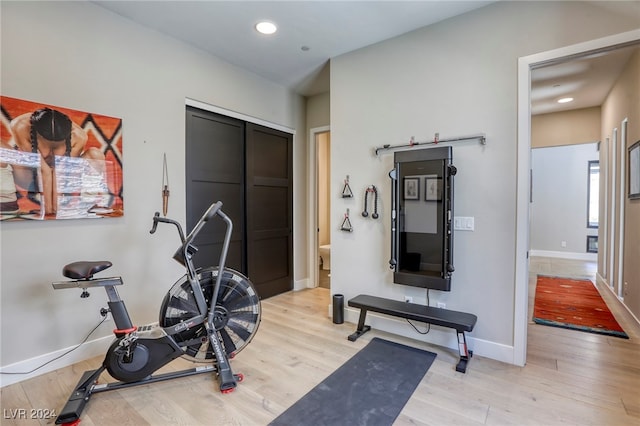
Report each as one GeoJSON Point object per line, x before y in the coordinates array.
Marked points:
{"type": "Point", "coordinates": [461, 321]}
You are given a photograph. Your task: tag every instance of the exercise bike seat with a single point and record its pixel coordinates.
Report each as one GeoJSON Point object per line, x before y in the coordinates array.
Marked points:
{"type": "Point", "coordinates": [84, 270]}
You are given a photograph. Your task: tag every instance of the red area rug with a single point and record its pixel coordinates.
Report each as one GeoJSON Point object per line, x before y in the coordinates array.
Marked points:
{"type": "Point", "coordinates": [574, 304]}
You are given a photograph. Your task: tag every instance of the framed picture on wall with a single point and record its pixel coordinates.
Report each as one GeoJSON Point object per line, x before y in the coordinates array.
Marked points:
{"type": "Point", "coordinates": [634, 170]}
{"type": "Point", "coordinates": [411, 188]}
{"type": "Point", "coordinates": [433, 189]}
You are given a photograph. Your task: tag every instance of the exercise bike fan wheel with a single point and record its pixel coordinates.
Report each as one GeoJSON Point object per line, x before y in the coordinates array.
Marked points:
{"type": "Point", "coordinates": [236, 319]}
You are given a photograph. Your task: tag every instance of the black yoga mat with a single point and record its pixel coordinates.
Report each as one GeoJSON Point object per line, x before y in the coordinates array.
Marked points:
{"type": "Point", "coordinates": [369, 389]}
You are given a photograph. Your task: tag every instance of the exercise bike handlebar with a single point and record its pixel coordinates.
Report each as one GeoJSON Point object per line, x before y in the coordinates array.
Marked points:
{"type": "Point", "coordinates": [211, 212]}
{"type": "Point", "coordinates": [157, 218]}
{"type": "Point", "coordinates": [186, 248]}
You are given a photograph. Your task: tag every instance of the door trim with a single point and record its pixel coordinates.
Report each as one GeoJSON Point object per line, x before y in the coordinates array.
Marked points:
{"type": "Point", "coordinates": [623, 195]}
{"type": "Point", "coordinates": [612, 221]}
{"type": "Point", "coordinates": [234, 114]}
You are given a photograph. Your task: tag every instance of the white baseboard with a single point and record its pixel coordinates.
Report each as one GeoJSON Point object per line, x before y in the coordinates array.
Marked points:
{"type": "Point", "coordinates": [591, 257]}
{"type": "Point", "coordinates": [440, 336]}
{"type": "Point", "coordinates": [606, 285]}
{"type": "Point", "coordinates": [301, 284]}
{"type": "Point", "coordinates": [85, 351]}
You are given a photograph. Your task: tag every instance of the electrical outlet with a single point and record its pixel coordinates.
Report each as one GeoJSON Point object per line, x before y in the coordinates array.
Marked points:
{"type": "Point", "coordinates": [563, 244]}
{"type": "Point", "coordinates": [441, 305]}
{"type": "Point", "coordinates": [408, 299]}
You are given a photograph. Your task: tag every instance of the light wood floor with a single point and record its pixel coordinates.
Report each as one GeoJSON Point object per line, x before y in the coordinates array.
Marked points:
{"type": "Point", "coordinates": [571, 377]}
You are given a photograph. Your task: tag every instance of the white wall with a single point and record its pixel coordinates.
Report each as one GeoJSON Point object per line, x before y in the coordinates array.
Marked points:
{"type": "Point", "coordinates": [574, 126]}
{"type": "Point", "coordinates": [457, 77]}
{"type": "Point", "coordinates": [77, 55]}
{"type": "Point", "coordinates": [559, 207]}
{"type": "Point", "coordinates": [620, 105]}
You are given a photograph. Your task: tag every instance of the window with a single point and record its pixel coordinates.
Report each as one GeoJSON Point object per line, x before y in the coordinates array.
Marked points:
{"type": "Point", "coordinates": [593, 198]}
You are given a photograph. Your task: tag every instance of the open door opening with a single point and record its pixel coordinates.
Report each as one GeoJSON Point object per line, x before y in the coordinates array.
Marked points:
{"type": "Point", "coordinates": [323, 161]}
{"type": "Point", "coordinates": [525, 67]}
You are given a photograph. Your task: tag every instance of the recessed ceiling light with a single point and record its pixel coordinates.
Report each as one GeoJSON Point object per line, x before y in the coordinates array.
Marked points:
{"type": "Point", "coordinates": [564, 100]}
{"type": "Point", "coordinates": [266, 27]}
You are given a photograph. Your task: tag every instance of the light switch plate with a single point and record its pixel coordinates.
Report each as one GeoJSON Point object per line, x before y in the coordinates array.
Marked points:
{"type": "Point", "coordinates": [462, 223]}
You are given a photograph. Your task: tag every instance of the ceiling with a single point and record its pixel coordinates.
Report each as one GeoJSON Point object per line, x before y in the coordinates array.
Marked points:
{"type": "Point", "coordinates": [327, 28]}
{"type": "Point", "coordinates": [587, 79]}
{"type": "Point", "coordinates": [310, 33]}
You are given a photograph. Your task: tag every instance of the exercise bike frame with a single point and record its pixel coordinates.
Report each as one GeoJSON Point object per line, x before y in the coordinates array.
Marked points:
{"type": "Point", "coordinates": [127, 334]}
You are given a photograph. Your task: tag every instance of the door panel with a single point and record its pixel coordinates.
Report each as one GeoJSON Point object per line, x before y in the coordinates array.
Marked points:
{"type": "Point", "coordinates": [215, 171]}
{"type": "Point", "coordinates": [271, 265]}
{"type": "Point", "coordinates": [274, 215]}
{"type": "Point", "coordinates": [210, 239]}
{"type": "Point", "coordinates": [269, 186]}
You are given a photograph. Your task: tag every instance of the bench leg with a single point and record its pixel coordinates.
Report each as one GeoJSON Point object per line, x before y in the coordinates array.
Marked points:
{"type": "Point", "coordinates": [465, 353]}
{"type": "Point", "coordinates": [361, 327]}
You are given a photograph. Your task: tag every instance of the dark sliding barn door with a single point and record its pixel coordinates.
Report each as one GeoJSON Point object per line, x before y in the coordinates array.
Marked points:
{"type": "Point", "coordinates": [215, 171]}
{"type": "Point", "coordinates": [269, 186]}
{"type": "Point", "coordinates": [248, 168]}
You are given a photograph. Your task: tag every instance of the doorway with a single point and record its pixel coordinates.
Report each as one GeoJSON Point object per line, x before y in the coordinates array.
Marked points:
{"type": "Point", "coordinates": [564, 202]}
{"type": "Point", "coordinates": [525, 66]}
{"type": "Point", "coordinates": [323, 155]}
{"type": "Point", "coordinates": [319, 207]}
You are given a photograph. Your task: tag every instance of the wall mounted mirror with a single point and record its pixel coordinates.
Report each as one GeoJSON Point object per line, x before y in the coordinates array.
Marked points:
{"type": "Point", "coordinates": [422, 212]}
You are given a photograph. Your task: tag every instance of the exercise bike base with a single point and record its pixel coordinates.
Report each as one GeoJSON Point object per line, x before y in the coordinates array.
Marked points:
{"type": "Point", "coordinates": [87, 386]}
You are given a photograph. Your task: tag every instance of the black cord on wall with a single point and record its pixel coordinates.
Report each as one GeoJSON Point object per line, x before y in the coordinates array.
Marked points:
{"type": "Point", "coordinates": [59, 356]}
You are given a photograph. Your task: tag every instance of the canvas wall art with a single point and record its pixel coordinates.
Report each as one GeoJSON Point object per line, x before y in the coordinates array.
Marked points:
{"type": "Point", "coordinates": [58, 163]}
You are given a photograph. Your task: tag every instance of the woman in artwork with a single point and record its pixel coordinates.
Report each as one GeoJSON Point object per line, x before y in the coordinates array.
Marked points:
{"type": "Point", "coordinates": [50, 134]}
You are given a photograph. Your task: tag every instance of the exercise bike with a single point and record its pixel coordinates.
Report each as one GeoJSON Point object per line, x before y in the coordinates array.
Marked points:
{"type": "Point", "coordinates": [209, 315]}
